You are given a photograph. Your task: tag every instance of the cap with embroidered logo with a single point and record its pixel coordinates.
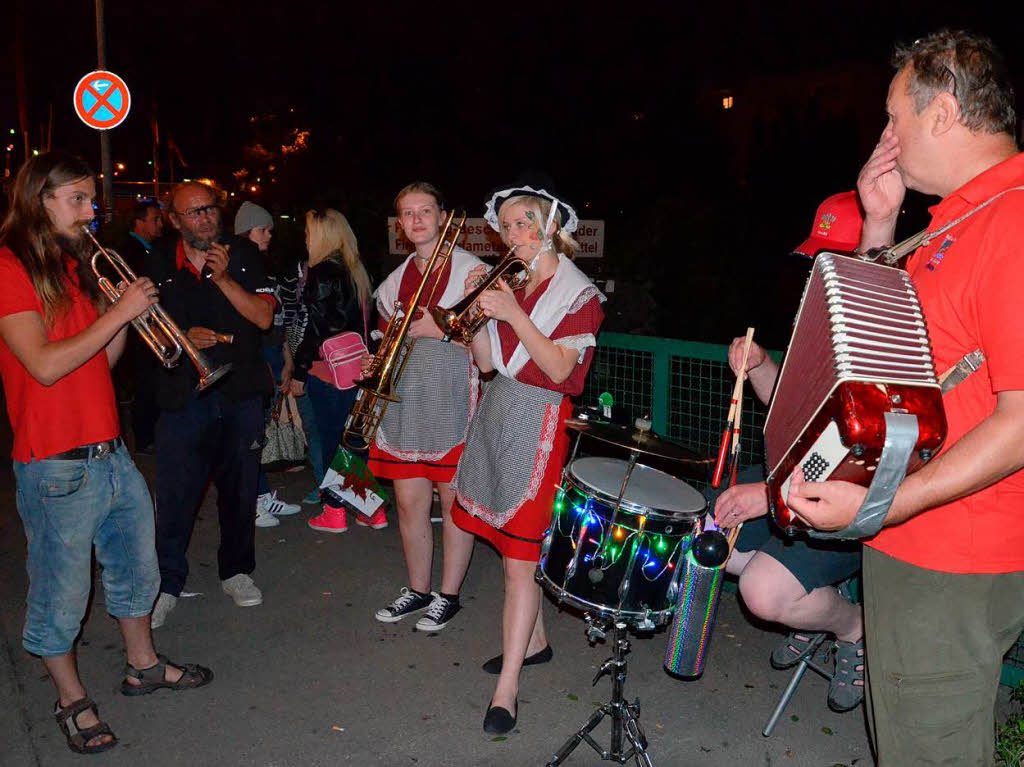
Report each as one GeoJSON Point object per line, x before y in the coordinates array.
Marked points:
{"type": "Point", "coordinates": [837, 226]}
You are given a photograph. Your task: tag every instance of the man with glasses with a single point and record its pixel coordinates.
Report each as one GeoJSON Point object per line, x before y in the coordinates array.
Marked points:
{"type": "Point", "coordinates": [213, 286]}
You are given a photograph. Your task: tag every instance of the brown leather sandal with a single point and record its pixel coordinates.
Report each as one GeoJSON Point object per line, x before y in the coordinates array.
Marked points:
{"type": "Point", "coordinates": [153, 678]}
{"type": "Point", "coordinates": [78, 738]}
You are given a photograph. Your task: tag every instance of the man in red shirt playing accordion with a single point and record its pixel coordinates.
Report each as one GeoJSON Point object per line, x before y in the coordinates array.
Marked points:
{"type": "Point", "coordinates": [944, 564]}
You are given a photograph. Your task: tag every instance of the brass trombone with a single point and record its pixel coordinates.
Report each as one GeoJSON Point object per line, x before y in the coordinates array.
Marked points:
{"type": "Point", "coordinates": [155, 325]}
{"type": "Point", "coordinates": [386, 366]}
{"type": "Point", "coordinates": [465, 318]}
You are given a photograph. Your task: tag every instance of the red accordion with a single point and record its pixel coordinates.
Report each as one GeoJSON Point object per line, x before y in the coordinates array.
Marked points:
{"type": "Point", "coordinates": [859, 349]}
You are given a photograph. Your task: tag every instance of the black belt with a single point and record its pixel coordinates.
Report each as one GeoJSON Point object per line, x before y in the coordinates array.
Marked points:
{"type": "Point", "coordinates": [97, 450]}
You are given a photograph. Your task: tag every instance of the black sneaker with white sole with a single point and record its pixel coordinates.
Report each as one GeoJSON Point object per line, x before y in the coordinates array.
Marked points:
{"type": "Point", "coordinates": [439, 612]}
{"type": "Point", "coordinates": [407, 603]}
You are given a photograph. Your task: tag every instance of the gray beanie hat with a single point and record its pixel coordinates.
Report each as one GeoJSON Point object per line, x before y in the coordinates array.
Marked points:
{"type": "Point", "coordinates": [250, 216]}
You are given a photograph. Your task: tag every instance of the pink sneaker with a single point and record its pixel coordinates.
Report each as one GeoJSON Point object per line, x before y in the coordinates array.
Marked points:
{"type": "Point", "coordinates": [378, 520]}
{"type": "Point", "coordinates": [332, 520]}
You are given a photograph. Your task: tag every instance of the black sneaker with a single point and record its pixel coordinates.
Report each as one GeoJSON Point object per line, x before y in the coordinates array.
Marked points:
{"type": "Point", "coordinates": [407, 603]}
{"type": "Point", "coordinates": [439, 612]}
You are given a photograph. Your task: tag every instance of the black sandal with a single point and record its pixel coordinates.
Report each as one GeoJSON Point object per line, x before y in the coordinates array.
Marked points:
{"type": "Point", "coordinates": [795, 647]}
{"type": "Point", "coordinates": [846, 689]}
{"type": "Point", "coordinates": [78, 738]}
{"type": "Point", "coordinates": [192, 676]}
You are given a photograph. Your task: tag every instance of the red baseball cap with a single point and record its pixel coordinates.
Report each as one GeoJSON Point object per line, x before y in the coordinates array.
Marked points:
{"type": "Point", "coordinates": [837, 226]}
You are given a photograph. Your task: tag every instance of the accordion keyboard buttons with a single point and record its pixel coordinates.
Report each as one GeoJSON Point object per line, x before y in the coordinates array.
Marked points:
{"type": "Point", "coordinates": [815, 467]}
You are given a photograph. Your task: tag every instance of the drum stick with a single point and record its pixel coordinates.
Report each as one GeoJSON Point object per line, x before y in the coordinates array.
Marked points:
{"type": "Point", "coordinates": [731, 422]}
{"type": "Point", "coordinates": [734, 532]}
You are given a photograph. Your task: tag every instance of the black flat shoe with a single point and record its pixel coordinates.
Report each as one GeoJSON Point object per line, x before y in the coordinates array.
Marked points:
{"type": "Point", "coordinates": [493, 666]}
{"type": "Point", "coordinates": [498, 721]}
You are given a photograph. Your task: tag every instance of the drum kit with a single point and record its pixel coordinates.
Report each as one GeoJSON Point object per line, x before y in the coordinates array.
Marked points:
{"type": "Point", "coordinates": [621, 548]}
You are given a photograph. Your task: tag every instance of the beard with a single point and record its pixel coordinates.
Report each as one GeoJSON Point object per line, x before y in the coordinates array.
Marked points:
{"type": "Point", "coordinates": [195, 241]}
{"type": "Point", "coordinates": [199, 241]}
{"type": "Point", "coordinates": [79, 246]}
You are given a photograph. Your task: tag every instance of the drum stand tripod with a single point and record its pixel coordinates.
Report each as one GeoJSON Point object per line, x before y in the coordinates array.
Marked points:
{"type": "Point", "coordinates": [624, 715]}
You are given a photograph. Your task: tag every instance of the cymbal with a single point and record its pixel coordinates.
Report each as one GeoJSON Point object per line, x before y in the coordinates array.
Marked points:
{"type": "Point", "coordinates": [638, 441]}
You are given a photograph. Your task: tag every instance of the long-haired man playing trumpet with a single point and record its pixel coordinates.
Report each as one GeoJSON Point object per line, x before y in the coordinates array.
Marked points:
{"type": "Point", "coordinates": [77, 487]}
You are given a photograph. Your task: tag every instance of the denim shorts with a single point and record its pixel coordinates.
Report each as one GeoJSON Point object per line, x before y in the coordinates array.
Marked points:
{"type": "Point", "coordinates": [813, 562]}
{"type": "Point", "coordinates": [68, 507]}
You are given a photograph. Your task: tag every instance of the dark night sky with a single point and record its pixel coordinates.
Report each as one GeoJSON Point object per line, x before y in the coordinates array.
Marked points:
{"type": "Point", "coordinates": [469, 95]}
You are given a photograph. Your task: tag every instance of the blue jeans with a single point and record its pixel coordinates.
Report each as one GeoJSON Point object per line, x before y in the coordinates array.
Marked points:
{"type": "Point", "coordinates": [316, 457]}
{"type": "Point", "coordinates": [331, 407]}
{"type": "Point", "coordinates": [68, 507]}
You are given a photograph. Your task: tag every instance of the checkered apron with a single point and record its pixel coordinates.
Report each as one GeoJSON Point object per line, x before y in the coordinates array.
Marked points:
{"type": "Point", "coordinates": [507, 448]}
{"type": "Point", "coordinates": [436, 403]}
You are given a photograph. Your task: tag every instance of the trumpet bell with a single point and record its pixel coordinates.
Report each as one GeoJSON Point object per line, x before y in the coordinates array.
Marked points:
{"type": "Point", "coordinates": [446, 319]}
{"type": "Point", "coordinates": [209, 378]}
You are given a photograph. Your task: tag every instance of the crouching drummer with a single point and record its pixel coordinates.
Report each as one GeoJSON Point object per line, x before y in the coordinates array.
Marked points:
{"type": "Point", "coordinates": [791, 581]}
{"type": "Point", "coordinates": [540, 341]}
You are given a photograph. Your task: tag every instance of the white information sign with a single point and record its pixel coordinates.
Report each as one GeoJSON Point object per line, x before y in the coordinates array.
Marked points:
{"type": "Point", "coordinates": [482, 241]}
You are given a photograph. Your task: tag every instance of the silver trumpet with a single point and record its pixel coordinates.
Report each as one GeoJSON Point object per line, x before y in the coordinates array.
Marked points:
{"type": "Point", "coordinates": [155, 325]}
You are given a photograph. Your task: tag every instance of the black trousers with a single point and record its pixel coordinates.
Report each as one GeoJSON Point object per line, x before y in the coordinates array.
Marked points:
{"type": "Point", "coordinates": [216, 439]}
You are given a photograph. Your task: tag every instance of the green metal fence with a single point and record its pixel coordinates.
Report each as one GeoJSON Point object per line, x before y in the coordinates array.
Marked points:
{"type": "Point", "coordinates": [685, 388]}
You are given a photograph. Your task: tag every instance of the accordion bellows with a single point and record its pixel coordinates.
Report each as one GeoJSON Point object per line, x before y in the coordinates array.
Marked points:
{"type": "Point", "coordinates": [859, 349]}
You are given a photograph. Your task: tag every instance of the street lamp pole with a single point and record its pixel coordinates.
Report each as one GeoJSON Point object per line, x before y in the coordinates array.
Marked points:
{"type": "Point", "coordinates": [106, 165]}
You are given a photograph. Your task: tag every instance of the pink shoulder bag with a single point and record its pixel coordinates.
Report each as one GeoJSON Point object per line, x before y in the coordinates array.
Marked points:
{"type": "Point", "coordinates": [342, 354]}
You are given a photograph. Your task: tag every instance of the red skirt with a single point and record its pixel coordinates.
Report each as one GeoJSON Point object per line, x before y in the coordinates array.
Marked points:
{"type": "Point", "coordinates": [522, 536]}
{"type": "Point", "coordinates": [387, 466]}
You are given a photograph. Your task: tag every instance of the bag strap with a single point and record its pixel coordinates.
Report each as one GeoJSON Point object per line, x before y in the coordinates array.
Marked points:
{"type": "Point", "coordinates": [293, 408]}
{"type": "Point", "coordinates": [366, 321]}
{"type": "Point", "coordinates": [275, 410]}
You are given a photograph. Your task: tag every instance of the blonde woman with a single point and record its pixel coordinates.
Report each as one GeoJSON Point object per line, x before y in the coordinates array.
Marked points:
{"type": "Point", "coordinates": [540, 340]}
{"type": "Point", "coordinates": [337, 298]}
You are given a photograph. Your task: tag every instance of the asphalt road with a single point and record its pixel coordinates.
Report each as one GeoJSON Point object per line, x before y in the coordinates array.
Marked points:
{"type": "Point", "coordinates": [310, 678]}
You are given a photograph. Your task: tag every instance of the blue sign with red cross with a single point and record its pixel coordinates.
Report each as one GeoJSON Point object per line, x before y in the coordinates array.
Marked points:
{"type": "Point", "coordinates": [102, 100]}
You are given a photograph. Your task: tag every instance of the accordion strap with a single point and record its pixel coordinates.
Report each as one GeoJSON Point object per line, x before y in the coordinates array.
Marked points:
{"type": "Point", "coordinates": [892, 254]}
{"type": "Point", "coordinates": [956, 375]}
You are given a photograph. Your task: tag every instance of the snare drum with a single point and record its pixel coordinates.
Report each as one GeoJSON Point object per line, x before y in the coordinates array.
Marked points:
{"type": "Point", "coordinates": [637, 576]}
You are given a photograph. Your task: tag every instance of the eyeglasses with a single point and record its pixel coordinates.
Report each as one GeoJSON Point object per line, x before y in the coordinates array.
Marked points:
{"type": "Point", "coordinates": [208, 210]}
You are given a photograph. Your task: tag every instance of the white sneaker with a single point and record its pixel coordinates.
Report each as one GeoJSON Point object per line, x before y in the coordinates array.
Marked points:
{"type": "Point", "coordinates": [264, 518]}
{"type": "Point", "coordinates": [164, 604]}
{"type": "Point", "coordinates": [276, 506]}
{"type": "Point", "coordinates": [241, 588]}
